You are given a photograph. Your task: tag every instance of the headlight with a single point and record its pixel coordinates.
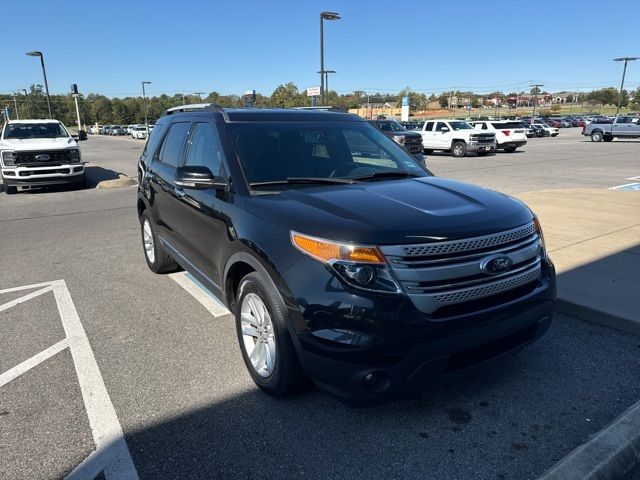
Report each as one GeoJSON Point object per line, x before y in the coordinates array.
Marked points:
{"type": "Point", "coordinates": [362, 267]}
{"type": "Point", "coordinates": [538, 227]}
{"type": "Point", "coordinates": [9, 159]}
{"type": "Point", "coordinates": [73, 155]}
{"type": "Point", "coordinates": [399, 139]}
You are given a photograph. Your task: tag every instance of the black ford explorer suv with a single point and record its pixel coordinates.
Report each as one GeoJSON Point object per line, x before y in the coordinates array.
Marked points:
{"type": "Point", "coordinates": [342, 258]}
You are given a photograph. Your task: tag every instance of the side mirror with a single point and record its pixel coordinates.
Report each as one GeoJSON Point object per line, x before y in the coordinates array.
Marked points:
{"type": "Point", "coordinates": [82, 135]}
{"type": "Point", "coordinates": [198, 177]}
{"type": "Point", "coordinates": [444, 129]}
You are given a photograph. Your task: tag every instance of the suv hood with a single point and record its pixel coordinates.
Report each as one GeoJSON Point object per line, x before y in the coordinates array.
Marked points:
{"type": "Point", "coordinates": [392, 212]}
{"type": "Point", "coordinates": [29, 144]}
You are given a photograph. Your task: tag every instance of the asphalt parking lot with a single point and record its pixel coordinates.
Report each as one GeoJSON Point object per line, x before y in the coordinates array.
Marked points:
{"type": "Point", "coordinates": [105, 347]}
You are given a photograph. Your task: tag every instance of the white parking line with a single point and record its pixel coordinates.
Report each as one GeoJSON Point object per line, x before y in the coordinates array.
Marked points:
{"type": "Point", "coordinates": [111, 455]}
{"type": "Point", "coordinates": [201, 294]}
{"type": "Point", "coordinates": [36, 360]}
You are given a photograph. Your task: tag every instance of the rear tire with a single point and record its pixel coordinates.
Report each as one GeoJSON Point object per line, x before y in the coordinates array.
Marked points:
{"type": "Point", "coordinates": [597, 137]}
{"type": "Point", "coordinates": [459, 149]}
{"type": "Point", "coordinates": [266, 346]}
{"type": "Point", "coordinates": [158, 260]}
{"type": "Point", "coordinates": [607, 138]}
{"type": "Point", "coordinates": [428, 151]}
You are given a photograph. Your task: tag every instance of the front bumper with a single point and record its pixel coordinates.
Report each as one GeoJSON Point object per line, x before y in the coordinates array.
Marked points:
{"type": "Point", "coordinates": [481, 146]}
{"type": "Point", "coordinates": [44, 175]}
{"type": "Point", "coordinates": [361, 344]}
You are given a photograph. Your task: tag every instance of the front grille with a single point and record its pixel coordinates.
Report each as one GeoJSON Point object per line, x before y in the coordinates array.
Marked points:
{"type": "Point", "coordinates": [56, 157]}
{"type": "Point", "coordinates": [457, 246]}
{"type": "Point", "coordinates": [483, 137]}
{"type": "Point", "coordinates": [48, 171]}
{"type": "Point", "coordinates": [439, 275]}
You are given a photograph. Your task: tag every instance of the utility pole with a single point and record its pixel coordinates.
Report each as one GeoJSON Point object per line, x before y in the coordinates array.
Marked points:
{"type": "Point", "coordinates": [15, 104]}
{"type": "Point", "coordinates": [624, 71]}
{"type": "Point", "coordinates": [535, 87]}
{"type": "Point", "coordinates": [199, 95]}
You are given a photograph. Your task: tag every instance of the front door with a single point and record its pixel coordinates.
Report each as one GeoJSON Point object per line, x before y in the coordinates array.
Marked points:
{"type": "Point", "coordinates": [201, 210]}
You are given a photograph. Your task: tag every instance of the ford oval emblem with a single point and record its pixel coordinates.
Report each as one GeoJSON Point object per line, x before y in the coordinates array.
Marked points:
{"type": "Point", "coordinates": [43, 157]}
{"type": "Point", "coordinates": [496, 264]}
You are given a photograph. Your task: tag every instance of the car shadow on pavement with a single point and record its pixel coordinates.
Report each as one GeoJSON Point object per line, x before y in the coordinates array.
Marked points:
{"type": "Point", "coordinates": [94, 174]}
{"type": "Point", "coordinates": [513, 420]}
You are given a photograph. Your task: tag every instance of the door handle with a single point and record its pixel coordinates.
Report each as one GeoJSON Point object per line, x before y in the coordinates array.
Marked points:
{"type": "Point", "coordinates": [179, 192]}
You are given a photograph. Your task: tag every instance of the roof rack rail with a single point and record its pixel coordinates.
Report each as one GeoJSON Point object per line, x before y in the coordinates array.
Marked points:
{"type": "Point", "coordinates": [322, 109]}
{"type": "Point", "coordinates": [194, 107]}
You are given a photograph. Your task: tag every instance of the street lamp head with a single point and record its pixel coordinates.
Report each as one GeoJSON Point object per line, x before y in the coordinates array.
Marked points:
{"type": "Point", "coordinates": [146, 83]}
{"type": "Point", "coordinates": [330, 16]}
{"type": "Point", "coordinates": [35, 53]}
{"type": "Point", "coordinates": [625, 59]}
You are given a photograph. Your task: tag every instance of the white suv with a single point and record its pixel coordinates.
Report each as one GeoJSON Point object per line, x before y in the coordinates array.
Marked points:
{"type": "Point", "coordinates": [509, 135]}
{"type": "Point", "coordinates": [35, 153]}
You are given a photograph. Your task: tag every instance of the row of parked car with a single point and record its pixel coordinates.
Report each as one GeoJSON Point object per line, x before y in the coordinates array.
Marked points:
{"type": "Point", "coordinates": [136, 131]}
{"type": "Point", "coordinates": [461, 137]}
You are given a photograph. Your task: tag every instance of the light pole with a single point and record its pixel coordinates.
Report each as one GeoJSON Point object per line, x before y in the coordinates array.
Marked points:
{"type": "Point", "coordinates": [146, 110]}
{"type": "Point", "coordinates": [535, 87]}
{"type": "Point", "coordinates": [324, 16]}
{"type": "Point", "coordinates": [26, 97]}
{"type": "Point", "coordinates": [624, 71]}
{"type": "Point", "coordinates": [35, 53]}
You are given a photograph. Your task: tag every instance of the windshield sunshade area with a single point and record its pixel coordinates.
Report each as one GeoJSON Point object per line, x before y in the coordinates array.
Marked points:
{"type": "Point", "coordinates": [35, 130]}
{"type": "Point", "coordinates": [276, 152]}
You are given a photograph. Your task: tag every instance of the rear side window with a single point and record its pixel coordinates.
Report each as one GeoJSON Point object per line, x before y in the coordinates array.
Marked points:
{"type": "Point", "coordinates": [204, 148]}
{"type": "Point", "coordinates": [173, 144]}
{"type": "Point", "coordinates": [154, 139]}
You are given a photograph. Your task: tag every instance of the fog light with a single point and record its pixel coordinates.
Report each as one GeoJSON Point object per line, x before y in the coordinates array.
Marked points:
{"type": "Point", "coordinates": [376, 381]}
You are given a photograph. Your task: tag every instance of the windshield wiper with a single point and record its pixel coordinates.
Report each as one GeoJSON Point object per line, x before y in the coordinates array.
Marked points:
{"type": "Point", "coordinates": [306, 181]}
{"type": "Point", "coordinates": [383, 175]}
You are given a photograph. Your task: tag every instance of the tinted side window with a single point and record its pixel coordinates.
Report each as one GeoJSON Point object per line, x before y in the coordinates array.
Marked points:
{"type": "Point", "coordinates": [440, 125]}
{"type": "Point", "coordinates": [204, 148]}
{"type": "Point", "coordinates": [154, 139]}
{"type": "Point", "coordinates": [429, 126]}
{"type": "Point", "coordinates": [173, 143]}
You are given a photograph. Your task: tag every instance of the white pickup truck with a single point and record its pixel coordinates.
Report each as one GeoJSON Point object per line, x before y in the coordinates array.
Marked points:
{"type": "Point", "coordinates": [36, 153]}
{"type": "Point", "coordinates": [457, 137]}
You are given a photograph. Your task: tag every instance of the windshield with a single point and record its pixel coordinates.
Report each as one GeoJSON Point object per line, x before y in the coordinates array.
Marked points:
{"type": "Point", "coordinates": [277, 151]}
{"type": "Point", "coordinates": [390, 127]}
{"type": "Point", "coordinates": [460, 126]}
{"type": "Point", "coordinates": [35, 130]}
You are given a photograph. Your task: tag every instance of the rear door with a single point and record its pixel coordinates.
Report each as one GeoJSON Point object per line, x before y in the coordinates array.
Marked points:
{"type": "Point", "coordinates": [162, 181]}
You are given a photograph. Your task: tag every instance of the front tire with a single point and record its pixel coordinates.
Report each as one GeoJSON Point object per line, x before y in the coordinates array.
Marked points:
{"type": "Point", "coordinates": [510, 149]}
{"type": "Point", "coordinates": [459, 149]}
{"type": "Point", "coordinates": [10, 190]}
{"type": "Point", "coordinates": [428, 151]}
{"type": "Point", "coordinates": [158, 260]}
{"type": "Point", "coordinates": [266, 346]}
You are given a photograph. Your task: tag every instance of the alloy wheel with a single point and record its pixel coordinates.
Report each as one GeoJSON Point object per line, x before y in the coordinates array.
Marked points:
{"type": "Point", "coordinates": [258, 337]}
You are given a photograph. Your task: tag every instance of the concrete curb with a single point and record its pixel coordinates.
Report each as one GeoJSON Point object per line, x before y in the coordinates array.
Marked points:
{"type": "Point", "coordinates": [598, 317]}
{"type": "Point", "coordinates": [610, 454]}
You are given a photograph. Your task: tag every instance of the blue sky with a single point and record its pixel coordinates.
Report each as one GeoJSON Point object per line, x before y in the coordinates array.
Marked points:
{"type": "Point", "coordinates": [187, 46]}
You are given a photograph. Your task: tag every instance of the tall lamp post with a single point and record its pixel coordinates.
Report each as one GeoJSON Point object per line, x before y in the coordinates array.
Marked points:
{"type": "Point", "coordinates": [15, 105]}
{"type": "Point", "coordinates": [35, 53]}
{"type": "Point", "coordinates": [624, 71]}
{"type": "Point", "coordinates": [536, 88]}
{"type": "Point", "coordinates": [26, 97]}
{"type": "Point", "coordinates": [324, 16]}
{"type": "Point", "coordinates": [146, 109]}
